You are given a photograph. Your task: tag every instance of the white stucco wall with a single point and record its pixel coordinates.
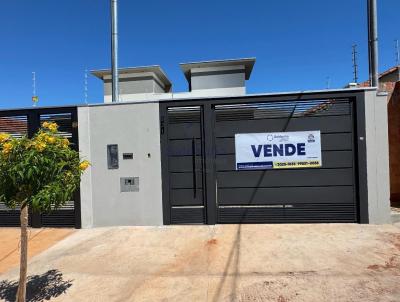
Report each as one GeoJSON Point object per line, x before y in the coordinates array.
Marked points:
{"type": "Point", "coordinates": [135, 128]}
{"type": "Point", "coordinates": [377, 145]}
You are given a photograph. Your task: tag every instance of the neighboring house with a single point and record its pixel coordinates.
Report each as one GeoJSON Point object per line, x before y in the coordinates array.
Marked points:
{"type": "Point", "coordinates": [390, 81]}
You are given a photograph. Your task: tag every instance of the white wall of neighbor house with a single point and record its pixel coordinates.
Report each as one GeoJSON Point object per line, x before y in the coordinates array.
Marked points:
{"type": "Point", "coordinates": [377, 145]}
{"type": "Point", "coordinates": [135, 128]}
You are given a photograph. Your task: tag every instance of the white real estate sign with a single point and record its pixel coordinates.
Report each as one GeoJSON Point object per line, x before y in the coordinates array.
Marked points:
{"type": "Point", "coordinates": [278, 150]}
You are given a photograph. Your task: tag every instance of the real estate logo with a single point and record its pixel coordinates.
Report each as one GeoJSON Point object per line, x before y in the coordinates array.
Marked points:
{"type": "Point", "coordinates": [311, 138]}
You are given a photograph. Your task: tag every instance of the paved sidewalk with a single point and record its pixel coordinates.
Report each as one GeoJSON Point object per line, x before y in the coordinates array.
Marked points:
{"type": "Point", "coordinates": [39, 240]}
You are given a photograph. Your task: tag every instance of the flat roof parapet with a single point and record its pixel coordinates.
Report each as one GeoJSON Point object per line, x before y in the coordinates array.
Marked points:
{"type": "Point", "coordinates": [248, 64]}
{"type": "Point", "coordinates": [156, 70]}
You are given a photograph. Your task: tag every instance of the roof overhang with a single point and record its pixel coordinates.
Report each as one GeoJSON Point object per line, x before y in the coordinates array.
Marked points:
{"type": "Point", "coordinates": [156, 69]}
{"type": "Point", "coordinates": [248, 64]}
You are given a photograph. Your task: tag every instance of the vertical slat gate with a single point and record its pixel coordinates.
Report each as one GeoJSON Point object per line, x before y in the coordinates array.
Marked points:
{"type": "Point", "coordinates": [185, 165]}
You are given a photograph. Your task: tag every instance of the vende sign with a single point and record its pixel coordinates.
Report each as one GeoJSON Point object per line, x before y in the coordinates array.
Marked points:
{"type": "Point", "coordinates": [278, 150]}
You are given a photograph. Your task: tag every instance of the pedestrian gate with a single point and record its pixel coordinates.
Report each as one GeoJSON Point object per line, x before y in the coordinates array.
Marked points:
{"type": "Point", "coordinates": [27, 122]}
{"type": "Point", "coordinates": [201, 184]}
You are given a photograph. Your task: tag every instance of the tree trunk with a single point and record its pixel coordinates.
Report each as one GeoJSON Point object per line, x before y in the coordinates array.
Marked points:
{"type": "Point", "coordinates": [21, 294]}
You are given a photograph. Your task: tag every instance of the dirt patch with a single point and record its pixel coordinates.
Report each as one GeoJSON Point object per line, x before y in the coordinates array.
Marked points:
{"type": "Point", "coordinates": [319, 288]}
{"type": "Point", "coordinates": [39, 240]}
{"type": "Point", "coordinates": [265, 291]}
{"type": "Point", "coordinates": [282, 299]}
{"type": "Point", "coordinates": [392, 263]}
{"type": "Point", "coordinates": [212, 242]}
{"type": "Point", "coordinates": [395, 240]}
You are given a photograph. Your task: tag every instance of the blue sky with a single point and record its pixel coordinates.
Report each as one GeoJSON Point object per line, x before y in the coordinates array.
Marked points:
{"type": "Point", "coordinates": [298, 44]}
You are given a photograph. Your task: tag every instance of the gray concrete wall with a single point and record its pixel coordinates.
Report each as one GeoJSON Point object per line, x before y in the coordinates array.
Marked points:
{"type": "Point", "coordinates": [135, 128]}
{"type": "Point", "coordinates": [377, 154]}
{"type": "Point", "coordinates": [135, 87]}
{"type": "Point", "coordinates": [131, 86]}
{"type": "Point", "coordinates": [214, 81]}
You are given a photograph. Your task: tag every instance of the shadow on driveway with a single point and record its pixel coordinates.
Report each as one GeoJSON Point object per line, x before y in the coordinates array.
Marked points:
{"type": "Point", "coordinates": [39, 287]}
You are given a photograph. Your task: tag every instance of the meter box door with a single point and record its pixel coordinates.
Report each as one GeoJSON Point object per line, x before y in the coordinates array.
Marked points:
{"type": "Point", "coordinates": [112, 157]}
{"type": "Point", "coordinates": [129, 184]}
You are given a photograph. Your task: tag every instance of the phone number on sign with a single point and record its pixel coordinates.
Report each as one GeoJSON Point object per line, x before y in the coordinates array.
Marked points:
{"type": "Point", "coordinates": [298, 164]}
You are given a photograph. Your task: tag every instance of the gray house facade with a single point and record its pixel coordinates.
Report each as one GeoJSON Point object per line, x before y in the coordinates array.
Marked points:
{"type": "Point", "coordinates": [159, 157]}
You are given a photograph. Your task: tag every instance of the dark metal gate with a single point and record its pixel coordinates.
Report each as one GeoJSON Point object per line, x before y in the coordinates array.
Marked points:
{"type": "Point", "coordinates": [185, 164]}
{"type": "Point", "coordinates": [201, 184]}
{"type": "Point", "coordinates": [27, 122]}
{"type": "Point", "coordinates": [325, 194]}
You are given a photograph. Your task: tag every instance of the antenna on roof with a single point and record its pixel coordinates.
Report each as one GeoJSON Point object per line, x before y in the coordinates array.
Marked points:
{"type": "Point", "coordinates": [397, 51]}
{"type": "Point", "coordinates": [355, 65]}
{"type": "Point", "coordinates": [328, 82]}
{"type": "Point", "coordinates": [85, 88]}
{"type": "Point", "coordinates": [35, 98]}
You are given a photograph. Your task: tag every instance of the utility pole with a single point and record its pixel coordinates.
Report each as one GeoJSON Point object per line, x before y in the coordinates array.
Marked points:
{"type": "Point", "coordinates": [355, 65]}
{"type": "Point", "coordinates": [373, 43]}
{"type": "Point", "coordinates": [114, 50]}
{"type": "Point", "coordinates": [397, 52]}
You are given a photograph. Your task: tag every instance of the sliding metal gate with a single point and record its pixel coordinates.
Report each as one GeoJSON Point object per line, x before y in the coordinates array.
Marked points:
{"type": "Point", "coordinates": [324, 194]}
{"type": "Point", "coordinates": [27, 122]}
{"type": "Point", "coordinates": [201, 185]}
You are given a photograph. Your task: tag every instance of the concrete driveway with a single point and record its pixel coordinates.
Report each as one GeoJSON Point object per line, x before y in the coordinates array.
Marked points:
{"type": "Point", "coordinates": [321, 262]}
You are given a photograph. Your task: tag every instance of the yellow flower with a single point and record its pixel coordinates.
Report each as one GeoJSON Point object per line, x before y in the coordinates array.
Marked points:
{"type": "Point", "coordinates": [51, 126]}
{"type": "Point", "coordinates": [7, 147]}
{"type": "Point", "coordinates": [4, 137]}
{"type": "Point", "coordinates": [84, 165]}
{"type": "Point", "coordinates": [65, 143]}
{"type": "Point", "coordinates": [40, 146]}
{"type": "Point", "coordinates": [50, 139]}
{"type": "Point", "coordinates": [42, 136]}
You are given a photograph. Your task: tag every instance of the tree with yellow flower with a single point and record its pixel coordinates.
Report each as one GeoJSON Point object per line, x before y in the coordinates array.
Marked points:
{"type": "Point", "coordinates": [40, 173]}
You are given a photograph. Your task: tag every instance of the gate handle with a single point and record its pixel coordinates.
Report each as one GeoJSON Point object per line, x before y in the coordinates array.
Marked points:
{"type": "Point", "coordinates": [194, 167]}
